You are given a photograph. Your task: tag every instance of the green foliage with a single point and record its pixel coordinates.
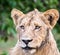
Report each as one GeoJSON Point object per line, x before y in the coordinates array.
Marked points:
{"type": "Point", "coordinates": [6, 25]}
{"type": "Point", "coordinates": [4, 53]}
{"type": "Point", "coordinates": [58, 28]}
{"type": "Point", "coordinates": [5, 47]}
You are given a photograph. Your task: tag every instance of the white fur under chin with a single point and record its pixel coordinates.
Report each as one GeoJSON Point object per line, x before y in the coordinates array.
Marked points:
{"type": "Point", "coordinates": [29, 51]}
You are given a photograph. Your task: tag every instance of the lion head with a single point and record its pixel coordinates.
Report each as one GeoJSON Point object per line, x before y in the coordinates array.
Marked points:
{"type": "Point", "coordinates": [33, 27]}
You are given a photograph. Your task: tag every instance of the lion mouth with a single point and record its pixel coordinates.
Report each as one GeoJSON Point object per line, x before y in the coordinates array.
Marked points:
{"type": "Point", "coordinates": [28, 48]}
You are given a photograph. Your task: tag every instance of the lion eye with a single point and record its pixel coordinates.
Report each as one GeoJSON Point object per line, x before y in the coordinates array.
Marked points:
{"type": "Point", "coordinates": [37, 27]}
{"type": "Point", "coordinates": [22, 27]}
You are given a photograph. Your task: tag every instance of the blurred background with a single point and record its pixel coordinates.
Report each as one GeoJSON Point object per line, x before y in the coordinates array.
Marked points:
{"type": "Point", "coordinates": [7, 29]}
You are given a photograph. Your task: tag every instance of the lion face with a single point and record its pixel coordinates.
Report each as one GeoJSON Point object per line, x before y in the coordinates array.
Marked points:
{"type": "Point", "coordinates": [32, 31]}
{"type": "Point", "coordinates": [32, 28]}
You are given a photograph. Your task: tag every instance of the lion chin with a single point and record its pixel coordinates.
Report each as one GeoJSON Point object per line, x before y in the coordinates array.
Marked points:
{"type": "Point", "coordinates": [31, 51]}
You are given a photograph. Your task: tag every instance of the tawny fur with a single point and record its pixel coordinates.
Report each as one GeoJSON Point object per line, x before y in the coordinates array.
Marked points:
{"type": "Point", "coordinates": [50, 48]}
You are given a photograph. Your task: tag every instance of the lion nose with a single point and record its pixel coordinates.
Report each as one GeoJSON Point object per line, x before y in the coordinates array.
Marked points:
{"type": "Point", "coordinates": [26, 41]}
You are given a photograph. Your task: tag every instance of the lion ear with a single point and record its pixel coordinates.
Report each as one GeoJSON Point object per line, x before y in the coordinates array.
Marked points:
{"type": "Point", "coordinates": [52, 16]}
{"type": "Point", "coordinates": [16, 14]}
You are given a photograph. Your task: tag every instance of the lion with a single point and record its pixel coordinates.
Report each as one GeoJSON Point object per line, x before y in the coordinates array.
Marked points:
{"type": "Point", "coordinates": [34, 32]}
